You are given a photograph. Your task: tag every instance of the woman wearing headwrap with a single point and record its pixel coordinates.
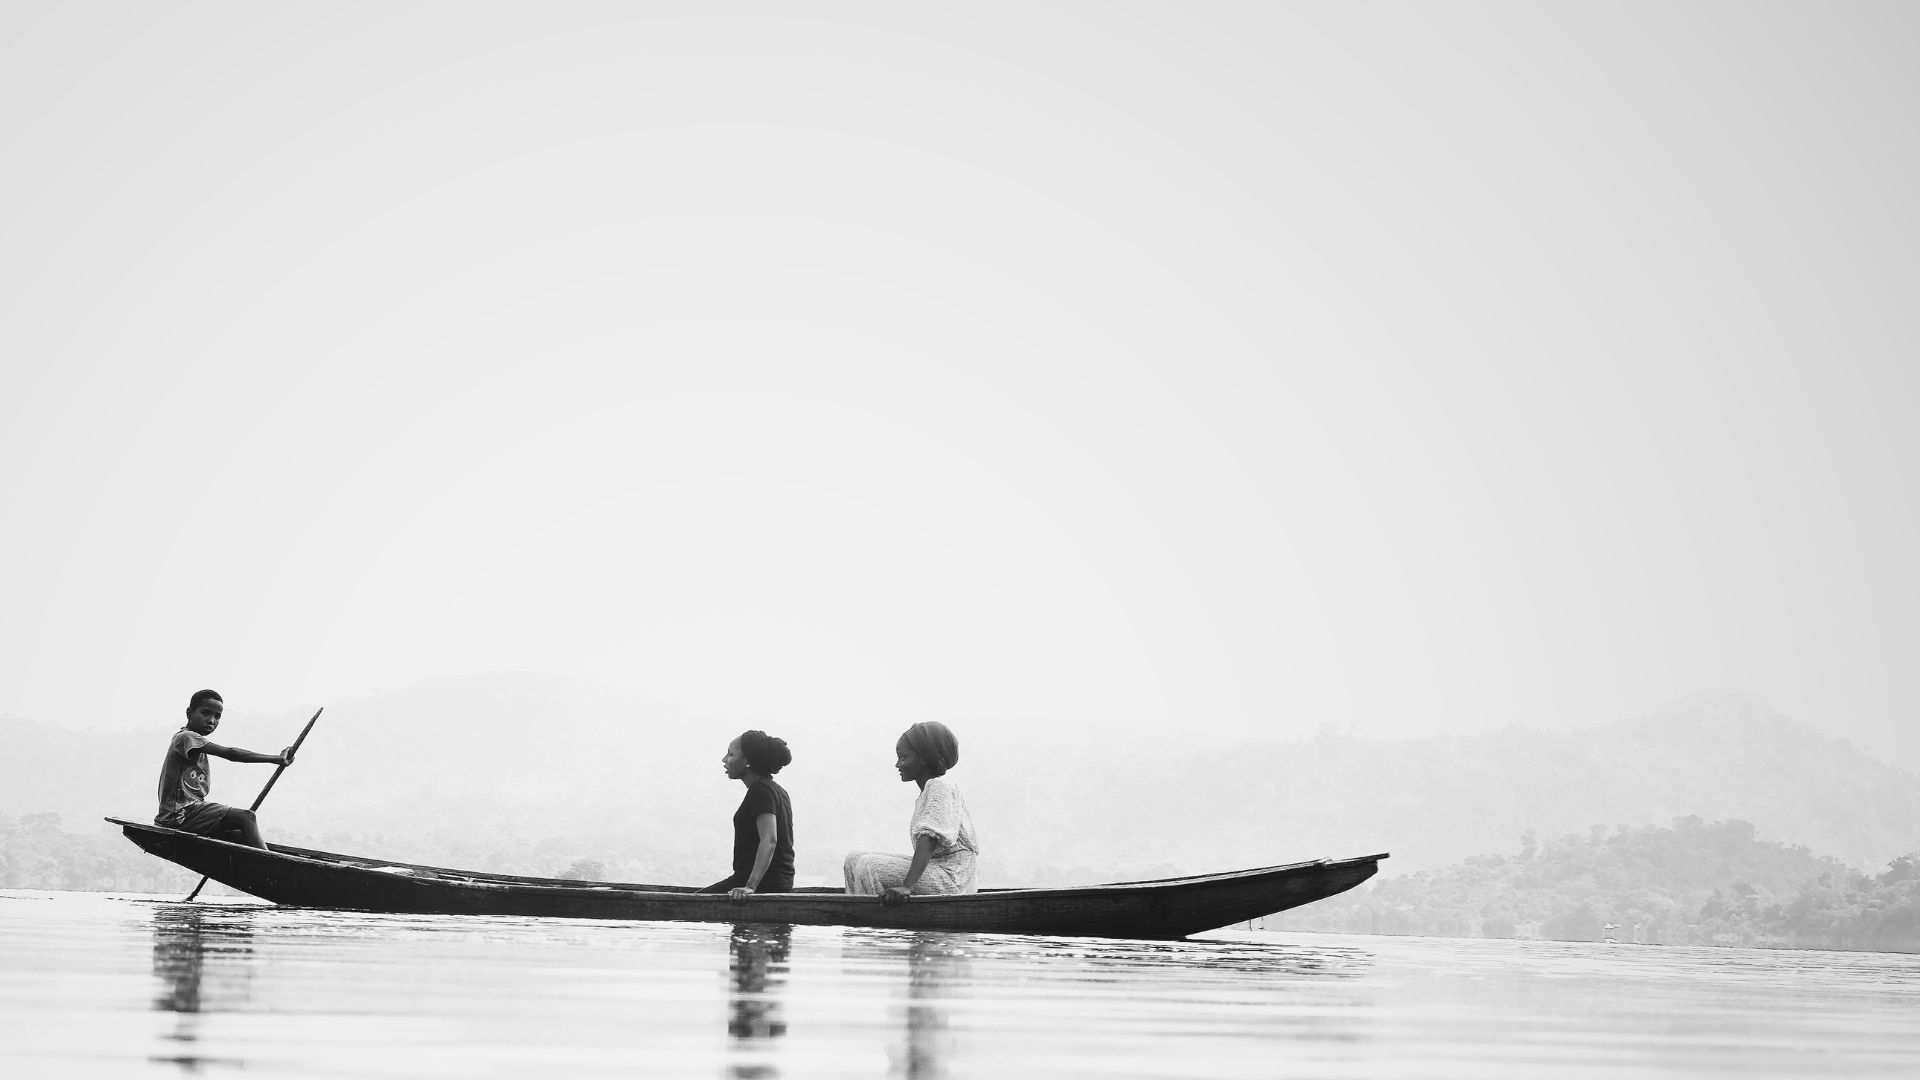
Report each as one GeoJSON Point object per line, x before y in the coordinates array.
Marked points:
{"type": "Point", "coordinates": [941, 831]}
{"type": "Point", "coordinates": [763, 826]}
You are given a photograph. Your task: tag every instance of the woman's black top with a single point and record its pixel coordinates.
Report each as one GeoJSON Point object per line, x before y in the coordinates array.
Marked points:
{"type": "Point", "coordinates": [763, 797]}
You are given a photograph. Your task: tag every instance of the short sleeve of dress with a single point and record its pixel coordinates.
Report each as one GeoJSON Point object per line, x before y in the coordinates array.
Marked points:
{"type": "Point", "coordinates": [937, 815]}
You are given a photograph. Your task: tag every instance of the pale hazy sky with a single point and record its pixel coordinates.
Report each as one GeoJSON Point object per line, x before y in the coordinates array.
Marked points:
{"type": "Point", "coordinates": [1231, 368]}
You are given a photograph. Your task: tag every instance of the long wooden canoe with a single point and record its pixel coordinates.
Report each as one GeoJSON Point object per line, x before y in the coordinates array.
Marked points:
{"type": "Point", "coordinates": [1165, 908]}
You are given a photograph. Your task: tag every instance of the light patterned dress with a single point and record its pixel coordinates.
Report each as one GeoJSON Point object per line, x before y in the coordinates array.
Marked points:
{"type": "Point", "coordinates": [939, 813]}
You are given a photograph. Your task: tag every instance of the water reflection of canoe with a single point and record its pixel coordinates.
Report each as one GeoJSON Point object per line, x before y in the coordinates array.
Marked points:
{"type": "Point", "coordinates": [1165, 908]}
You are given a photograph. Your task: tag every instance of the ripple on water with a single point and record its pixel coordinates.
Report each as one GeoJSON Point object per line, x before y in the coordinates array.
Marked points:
{"type": "Point", "coordinates": [96, 985]}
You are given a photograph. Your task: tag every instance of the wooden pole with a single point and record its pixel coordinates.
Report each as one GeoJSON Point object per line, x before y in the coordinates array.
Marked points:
{"type": "Point", "coordinates": [262, 797]}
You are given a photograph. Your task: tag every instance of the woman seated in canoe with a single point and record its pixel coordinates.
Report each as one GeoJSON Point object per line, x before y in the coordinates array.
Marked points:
{"type": "Point", "coordinates": [763, 826]}
{"type": "Point", "coordinates": [941, 830]}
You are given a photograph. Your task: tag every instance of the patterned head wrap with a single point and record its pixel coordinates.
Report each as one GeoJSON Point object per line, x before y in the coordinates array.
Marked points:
{"type": "Point", "coordinates": [764, 752]}
{"type": "Point", "coordinates": [936, 745]}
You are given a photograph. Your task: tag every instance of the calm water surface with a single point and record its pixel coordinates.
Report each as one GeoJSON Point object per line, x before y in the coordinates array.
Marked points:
{"type": "Point", "coordinates": [94, 985]}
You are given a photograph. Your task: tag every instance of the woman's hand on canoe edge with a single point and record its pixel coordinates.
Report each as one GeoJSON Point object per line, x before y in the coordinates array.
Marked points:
{"type": "Point", "coordinates": [895, 894]}
{"type": "Point", "coordinates": [739, 894]}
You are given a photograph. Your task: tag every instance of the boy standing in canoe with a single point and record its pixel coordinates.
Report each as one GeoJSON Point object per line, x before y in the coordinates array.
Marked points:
{"type": "Point", "coordinates": [185, 777]}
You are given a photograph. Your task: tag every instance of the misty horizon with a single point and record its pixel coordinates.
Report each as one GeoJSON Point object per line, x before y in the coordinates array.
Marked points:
{"type": "Point", "coordinates": [1044, 372]}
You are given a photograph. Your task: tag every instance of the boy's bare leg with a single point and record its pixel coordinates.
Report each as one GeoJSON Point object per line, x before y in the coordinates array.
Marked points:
{"type": "Point", "coordinates": [243, 827]}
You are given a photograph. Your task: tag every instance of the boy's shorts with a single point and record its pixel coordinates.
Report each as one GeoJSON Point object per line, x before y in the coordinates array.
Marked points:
{"type": "Point", "coordinates": [203, 817]}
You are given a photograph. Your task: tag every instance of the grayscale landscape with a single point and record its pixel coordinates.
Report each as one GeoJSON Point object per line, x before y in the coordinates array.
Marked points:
{"type": "Point", "coordinates": [1480, 434]}
{"type": "Point", "coordinates": [471, 767]}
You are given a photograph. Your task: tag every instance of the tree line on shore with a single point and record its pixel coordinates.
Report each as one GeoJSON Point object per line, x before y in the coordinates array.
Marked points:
{"type": "Point", "coordinates": [1693, 883]}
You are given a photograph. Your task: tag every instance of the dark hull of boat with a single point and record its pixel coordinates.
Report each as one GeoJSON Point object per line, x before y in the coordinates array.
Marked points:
{"type": "Point", "coordinates": [1163, 909]}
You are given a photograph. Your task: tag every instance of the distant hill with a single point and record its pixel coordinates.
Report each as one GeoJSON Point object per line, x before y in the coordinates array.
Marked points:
{"type": "Point", "coordinates": [1714, 754]}
{"type": "Point", "coordinates": [526, 773]}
